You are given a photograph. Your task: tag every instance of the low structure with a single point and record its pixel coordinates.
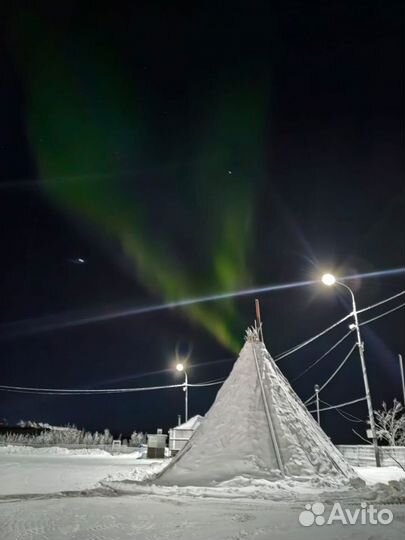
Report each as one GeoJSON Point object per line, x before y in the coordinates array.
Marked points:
{"type": "Point", "coordinates": [180, 435]}
{"type": "Point", "coordinates": [156, 444]}
{"type": "Point", "coordinates": [362, 455]}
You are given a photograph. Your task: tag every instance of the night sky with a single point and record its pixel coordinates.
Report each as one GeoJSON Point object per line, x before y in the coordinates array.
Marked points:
{"type": "Point", "coordinates": [182, 151]}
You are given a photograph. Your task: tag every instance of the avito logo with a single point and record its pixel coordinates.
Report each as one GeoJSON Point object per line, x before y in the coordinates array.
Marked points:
{"type": "Point", "coordinates": [364, 515]}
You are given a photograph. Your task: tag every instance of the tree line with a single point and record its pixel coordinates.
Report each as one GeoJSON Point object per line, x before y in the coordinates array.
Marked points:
{"type": "Point", "coordinates": [67, 435]}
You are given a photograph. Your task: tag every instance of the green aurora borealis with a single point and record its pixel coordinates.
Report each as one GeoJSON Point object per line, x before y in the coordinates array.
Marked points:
{"type": "Point", "coordinates": [171, 176]}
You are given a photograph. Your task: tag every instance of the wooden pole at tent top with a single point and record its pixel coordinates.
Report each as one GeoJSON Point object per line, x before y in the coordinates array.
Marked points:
{"type": "Point", "coordinates": [258, 319]}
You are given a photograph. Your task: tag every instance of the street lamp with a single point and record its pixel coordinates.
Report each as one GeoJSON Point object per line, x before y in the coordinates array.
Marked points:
{"type": "Point", "coordinates": [329, 280]}
{"type": "Point", "coordinates": [181, 367]}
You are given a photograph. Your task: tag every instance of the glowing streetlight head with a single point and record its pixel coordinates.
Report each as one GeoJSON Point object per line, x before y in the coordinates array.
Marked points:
{"type": "Point", "coordinates": [328, 280]}
{"type": "Point", "coordinates": [180, 367]}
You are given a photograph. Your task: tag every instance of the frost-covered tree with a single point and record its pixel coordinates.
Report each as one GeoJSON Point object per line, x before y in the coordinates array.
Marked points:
{"type": "Point", "coordinates": [390, 423]}
{"type": "Point", "coordinates": [108, 438]}
{"type": "Point", "coordinates": [87, 438]}
{"type": "Point", "coordinates": [137, 439]}
{"type": "Point", "coordinates": [133, 439]}
{"type": "Point", "coordinates": [56, 436]}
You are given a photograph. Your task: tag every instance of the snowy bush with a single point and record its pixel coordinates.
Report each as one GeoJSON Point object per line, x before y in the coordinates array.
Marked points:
{"type": "Point", "coordinates": [390, 424]}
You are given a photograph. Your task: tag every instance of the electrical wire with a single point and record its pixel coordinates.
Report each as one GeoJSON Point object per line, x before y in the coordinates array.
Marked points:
{"type": "Point", "coordinates": [350, 417]}
{"type": "Point", "coordinates": [344, 414]}
{"type": "Point", "coordinates": [209, 383]}
{"type": "Point", "coordinates": [279, 357]}
{"type": "Point", "coordinates": [380, 303]}
{"type": "Point", "coordinates": [74, 392]}
{"type": "Point", "coordinates": [382, 314]}
{"type": "Point", "coordinates": [292, 350]}
{"type": "Point", "coordinates": [310, 403]}
{"type": "Point", "coordinates": [334, 373]}
{"type": "Point", "coordinates": [343, 338]}
{"type": "Point", "coordinates": [346, 404]}
{"type": "Point", "coordinates": [339, 405]}
{"type": "Point", "coordinates": [322, 357]}
{"type": "Point", "coordinates": [70, 391]}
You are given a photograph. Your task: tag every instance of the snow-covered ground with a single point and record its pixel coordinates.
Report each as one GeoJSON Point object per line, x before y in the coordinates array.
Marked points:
{"type": "Point", "coordinates": [25, 470]}
{"type": "Point", "coordinates": [63, 496]}
{"type": "Point", "coordinates": [134, 518]}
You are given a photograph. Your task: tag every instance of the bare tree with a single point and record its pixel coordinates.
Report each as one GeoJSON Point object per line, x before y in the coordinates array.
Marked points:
{"type": "Point", "coordinates": [390, 424]}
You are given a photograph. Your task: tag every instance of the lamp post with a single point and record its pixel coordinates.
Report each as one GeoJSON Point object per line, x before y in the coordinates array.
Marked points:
{"type": "Point", "coordinates": [329, 280]}
{"type": "Point", "coordinates": [180, 367]}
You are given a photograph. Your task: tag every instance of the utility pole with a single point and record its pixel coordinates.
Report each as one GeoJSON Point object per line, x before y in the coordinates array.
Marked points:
{"type": "Point", "coordinates": [360, 346]}
{"type": "Point", "coordinates": [186, 395]}
{"type": "Point", "coordinates": [401, 367]}
{"type": "Point", "coordinates": [318, 416]}
{"type": "Point", "coordinates": [329, 280]}
{"type": "Point", "coordinates": [181, 367]}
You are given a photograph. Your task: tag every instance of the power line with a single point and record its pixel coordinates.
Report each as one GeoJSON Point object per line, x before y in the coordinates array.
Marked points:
{"type": "Point", "coordinates": [382, 314]}
{"type": "Point", "coordinates": [343, 338]}
{"type": "Point", "coordinates": [339, 405]}
{"type": "Point", "coordinates": [381, 302]}
{"type": "Point", "coordinates": [292, 350]}
{"type": "Point", "coordinates": [208, 383]}
{"type": "Point", "coordinates": [347, 416]}
{"type": "Point", "coordinates": [310, 403]}
{"type": "Point", "coordinates": [74, 392]}
{"type": "Point", "coordinates": [70, 391]}
{"type": "Point", "coordinates": [322, 357]}
{"type": "Point", "coordinates": [308, 341]}
{"type": "Point", "coordinates": [334, 373]}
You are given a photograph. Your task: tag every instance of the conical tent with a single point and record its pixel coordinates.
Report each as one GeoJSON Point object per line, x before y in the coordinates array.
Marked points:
{"type": "Point", "coordinates": [257, 427]}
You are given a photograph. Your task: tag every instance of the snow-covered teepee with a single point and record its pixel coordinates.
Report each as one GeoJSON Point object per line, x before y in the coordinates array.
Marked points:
{"type": "Point", "coordinates": [257, 427]}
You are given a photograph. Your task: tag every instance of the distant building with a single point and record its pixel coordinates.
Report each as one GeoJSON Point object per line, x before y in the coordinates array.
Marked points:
{"type": "Point", "coordinates": [179, 435]}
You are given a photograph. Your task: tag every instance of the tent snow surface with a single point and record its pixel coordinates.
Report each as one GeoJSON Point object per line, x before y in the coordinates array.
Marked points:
{"type": "Point", "coordinates": [257, 427]}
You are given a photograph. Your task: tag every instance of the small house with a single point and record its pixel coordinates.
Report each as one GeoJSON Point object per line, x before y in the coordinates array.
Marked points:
{"type": "Point", "coordinates": [179, 435]}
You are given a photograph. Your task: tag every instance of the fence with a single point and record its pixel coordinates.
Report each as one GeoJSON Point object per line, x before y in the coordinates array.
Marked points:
{"type": "Point", "coordinates": [363, 455]}
{"type": "Point", "coordinates": [178, 438]}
